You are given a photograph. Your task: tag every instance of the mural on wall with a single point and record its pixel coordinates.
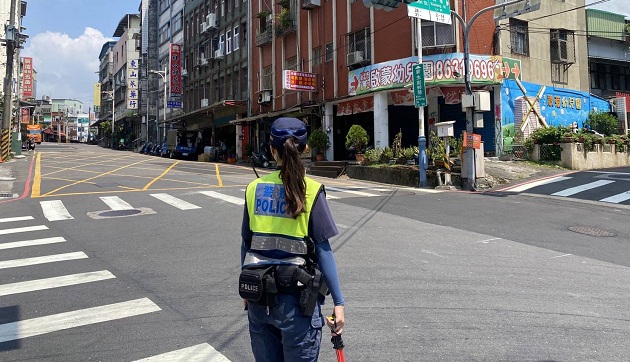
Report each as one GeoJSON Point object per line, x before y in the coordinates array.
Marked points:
{"type": "Point", "coordinates": [528, 106]}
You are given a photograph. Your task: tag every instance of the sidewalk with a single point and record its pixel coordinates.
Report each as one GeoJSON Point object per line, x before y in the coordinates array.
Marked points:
{"type": "Point", "coordinates": [13, 173]}
{"type": "Point", "coordinates": [501, 174]}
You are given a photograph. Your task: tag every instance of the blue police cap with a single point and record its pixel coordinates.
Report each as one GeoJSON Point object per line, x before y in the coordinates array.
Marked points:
{"type": "Point", "coordinates": [285, 127]}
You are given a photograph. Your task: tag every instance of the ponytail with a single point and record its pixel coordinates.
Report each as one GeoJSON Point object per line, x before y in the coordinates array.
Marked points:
{"type": "Point", "coordinates": [292, 174]}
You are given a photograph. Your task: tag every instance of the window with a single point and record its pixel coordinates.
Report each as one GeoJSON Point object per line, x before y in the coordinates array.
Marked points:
{"type": "Point", "coordinates": [329, 51]}
{"type": "Point", "coordinates": [437, 34]}
{"type": "Point", "coordinates": [359, 41]}
{"type": "Point", "coordinates": [236, 37]}
{"type": "Point", "coordinates": [290, 63]}
{"type": "Point", "coordinates": [165, 33]}
{"type": "Point", "coordinates": [228, 42]}
{"type": "Point", "coordinates": [562, 46]}
{"type": "Point", "coordinates": [221, 42]}
{"type": "Point", "coordinates": [178, 22]}
{"type": "Point", "coordinates": [519, 37]}
{"type": "Point", "coordinates": [244, 27]}
{"type": "Point", "coordinates": [317, 56]}
{"type": "Point", "coordinates": [267, 78]}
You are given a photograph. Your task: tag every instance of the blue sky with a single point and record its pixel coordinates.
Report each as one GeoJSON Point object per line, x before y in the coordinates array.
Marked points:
{"type": "Point", "coordinates": [65, 39]}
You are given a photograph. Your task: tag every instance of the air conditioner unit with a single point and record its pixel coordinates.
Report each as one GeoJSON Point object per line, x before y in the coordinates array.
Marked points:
{"type": "Point", "coordinates": [203, 28]}
{"type": "Point", "coordinates": [264, 96]}
{"type": "Point", "coordinates": [219, 53]}
{"type": "Point", "coordinates": [309, 4]}
{"type": "Point", "coordinates": [184, 73]}
{"type": "Point", "coordinates": [354, 58]}
{"type": "Point", "coordinates": [202, 60]}
{"type": "Point", "coordinates": [204, 102]}
{"type": "Point", "coordinates": [211, 21]}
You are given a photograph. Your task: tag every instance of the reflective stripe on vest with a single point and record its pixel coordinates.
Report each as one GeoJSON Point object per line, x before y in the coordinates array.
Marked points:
{"type": "Point", "coordinates": [272, 227]}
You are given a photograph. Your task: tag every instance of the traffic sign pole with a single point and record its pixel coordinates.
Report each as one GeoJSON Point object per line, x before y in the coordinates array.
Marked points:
{"type": "Point", "coordinates": [422, 139]}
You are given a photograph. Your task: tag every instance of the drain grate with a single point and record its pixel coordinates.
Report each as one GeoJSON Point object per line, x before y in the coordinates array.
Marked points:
{"type": "Point", "coordinates": [6, 195]}
{"type": "Point", "coordinates": [586, 230]}
{"type": "Point", "coordinates": [113, 213]}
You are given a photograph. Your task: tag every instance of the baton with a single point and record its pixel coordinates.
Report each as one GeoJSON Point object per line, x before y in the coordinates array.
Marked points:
{"type": "Point", "coordinates": [337, 342]}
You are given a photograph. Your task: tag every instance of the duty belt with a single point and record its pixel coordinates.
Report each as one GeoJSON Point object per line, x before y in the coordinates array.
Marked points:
{"type": "Point", "coordinates": [253, 259]}
{"type": "Point", "coordinates": [274, 242]}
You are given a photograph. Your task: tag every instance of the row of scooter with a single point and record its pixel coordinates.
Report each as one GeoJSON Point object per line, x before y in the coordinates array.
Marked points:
{"type": "Point", "coordinates": [153, 149]}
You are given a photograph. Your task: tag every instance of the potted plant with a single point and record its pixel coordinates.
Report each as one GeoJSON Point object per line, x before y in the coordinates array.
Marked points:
{"type": "Point", "coordinates": [231, 155]}
{"type": "Point", "coordinates": [357, 138]}
{"type": "Point", "coordinates": [319, 140]}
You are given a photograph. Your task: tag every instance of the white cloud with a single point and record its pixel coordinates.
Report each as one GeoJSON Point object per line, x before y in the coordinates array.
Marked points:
{"type": "Point", "coordinates": [65, 66]}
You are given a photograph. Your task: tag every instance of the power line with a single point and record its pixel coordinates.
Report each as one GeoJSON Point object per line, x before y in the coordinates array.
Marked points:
{"type": "Point", "coordinates": [566, 11]}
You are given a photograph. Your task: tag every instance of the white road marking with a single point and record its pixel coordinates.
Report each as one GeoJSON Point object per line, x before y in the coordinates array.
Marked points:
{"type": "Point", "coordinates": [42, 260]}
{"type": "Point", "coordinates": [331, 197]}
{"type": "Point", "coordinates": [359, 193]}
{"type": "Point", "coordinates": [560, 256]}
{"type": "Point", "coordinates": [531, 185]}
{"type": "Point", "coordinates": [55, 211]}
{"type": "Point", "coordinates": [615, 199]}
{"type": "Point", "coordinates": [116, 203]}
{"type": "Point", "coordinates": [56, 282]}
{"type": "Point", "coordinates": [487, 240]}
{"type": "Point", "coordinates": [174, 201]}
{"type": "Point", "coordinates": [199, 353]}
{"type": "Point", "coordinates": [228, 198]}
{"type": "Point", "coordinates": [33, 242]}
{"type": "Point", "coordinates": [18, 218]}
{"type": "Point", "coordinates": [23, 229]}
{"type": "Point", "coordinates": [581, 188]}
{"type": "Point", "coordinates": [57, 322]}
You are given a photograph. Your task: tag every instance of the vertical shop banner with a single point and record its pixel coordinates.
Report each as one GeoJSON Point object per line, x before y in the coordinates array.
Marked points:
{"type": "Point", "coordinates": [132, 84]}
{"type": "Point", "coordinates": [26, 116]}
{"type": "Point", "coordinates": [27, 78]}
{"type": "Point", "coordinates": [97, 94]}
{"type": "Point", "coordinates": [176, 70]}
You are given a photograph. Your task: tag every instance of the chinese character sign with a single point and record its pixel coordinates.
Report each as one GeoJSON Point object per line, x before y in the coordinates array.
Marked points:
{"type": "Point", "coordinates": [132, 84]}
{"type": "Point", "coordinates": [27, 78]}
{"type": "Point", "coordinates": [26, 116]}
{"type": "Point", "coordinates": [176, 70]}
{"type": "Point", "coordinates": [299, 81]}
{"type": "Point", "coordinates": [381, 76]}
{"type": "Point", "coordinates": [449, 69]}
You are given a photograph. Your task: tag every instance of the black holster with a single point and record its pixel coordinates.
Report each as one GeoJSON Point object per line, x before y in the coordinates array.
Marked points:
{"type": "Point", "coordinates": [313, 288]}
{"type": "Point", "coordinates": [258, 286]}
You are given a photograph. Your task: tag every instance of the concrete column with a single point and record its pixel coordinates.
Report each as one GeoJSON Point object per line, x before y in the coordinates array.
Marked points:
{"type": "Point", "coordinates": [239, 142]}
{"type": "Point", "coordinates": [328, 127]}
{"type": "Point", "coordinates": [381, 120]}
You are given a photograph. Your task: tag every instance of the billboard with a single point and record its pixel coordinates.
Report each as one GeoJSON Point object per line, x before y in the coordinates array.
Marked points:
{"type": "Point", "coordinates": [27, 78]}
{"type": "Point", "coordinates": [299, 81]}
{"type": "Point", "coordinates": [176, 70]}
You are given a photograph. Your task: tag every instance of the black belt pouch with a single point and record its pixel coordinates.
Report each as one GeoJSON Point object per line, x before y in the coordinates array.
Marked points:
{"type": "Point", "coordinates": [251, 284]}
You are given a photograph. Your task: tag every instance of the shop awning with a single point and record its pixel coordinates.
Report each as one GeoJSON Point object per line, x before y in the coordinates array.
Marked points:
{"type": "Point", "coordinates": [205, 111]}
{"type": "Point", "coordinates": [291, 112]}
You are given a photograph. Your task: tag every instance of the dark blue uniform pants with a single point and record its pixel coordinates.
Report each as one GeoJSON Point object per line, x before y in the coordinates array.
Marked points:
{"type": "Point", "coordinates": [285, 334]}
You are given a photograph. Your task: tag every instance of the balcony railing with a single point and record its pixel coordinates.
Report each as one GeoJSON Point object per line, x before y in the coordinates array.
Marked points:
{"type": "Point", "coordinates": [265, 36]}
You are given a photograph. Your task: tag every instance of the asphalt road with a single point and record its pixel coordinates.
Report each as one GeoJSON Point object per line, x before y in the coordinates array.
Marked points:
{"type": "Point", "coordinates": [451, 276]}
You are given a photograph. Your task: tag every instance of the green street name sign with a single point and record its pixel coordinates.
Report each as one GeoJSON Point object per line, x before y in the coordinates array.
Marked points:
{"type": "Point", "coordinates": [419, 90]}
{"type": "Point", "coordinates": [432, 10]}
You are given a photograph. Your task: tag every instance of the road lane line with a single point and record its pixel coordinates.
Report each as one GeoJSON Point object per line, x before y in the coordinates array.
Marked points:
{"type": "Point", "coordinates": [37, 177]}
{"type": "Point", "coordinates": [216, 169]}
{"type": "Point", "coordinates": [116, 203]}
{"type": "Point", "coordinates": [56, 282]}
{"type": "Point", "coordinates": [581, 188]}
{"type": "Point", "coordinates": [228, 198]}
{"type": "Point", "coordinates": [174, 201]}
{"type": "Point", "coordinates": [146, 187]}
{"type": "Point", "coordinates": [23, 243]}
{"type": "Point", "coordinates": [615, 199]}
{"type": "Point", "coordinates": [560, 256]}
{"type": "Point", "coordinates": [17, 218]}
{"type": "Point", "coordinates": [531, 185]}
{"type": "Point", "coordinates": [200, 353]}
{"type": "Point", "coordinates": [42, 260]}
{"type": "Point", "coordinates": [359, 193]}
{"type": "Point", "coordinates": [23, 229]}
{"type": "Point", "coordinates": [57, 322]}
{"type": "Point", "coordinates": [55, 211]}
{"type": "Point", "coordinates": [331, 197]}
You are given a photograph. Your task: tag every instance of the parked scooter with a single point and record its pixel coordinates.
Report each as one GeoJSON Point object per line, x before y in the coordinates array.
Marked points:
{"type": "Point", "coordinates": [146, 148]}
{"type": "Point", "coordinates": [261, 158]}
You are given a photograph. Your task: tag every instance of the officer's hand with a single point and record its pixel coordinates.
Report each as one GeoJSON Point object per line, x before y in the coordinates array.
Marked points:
{"type": "Point", "coordinates": [244, 304]}
{"type": "Point", "coordinates": [336, 327]}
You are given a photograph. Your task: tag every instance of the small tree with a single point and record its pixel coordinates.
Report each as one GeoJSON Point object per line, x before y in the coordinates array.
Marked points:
{"type": "Point", "coordinates": [319, 140]}
{"type": "Point", "coordinates": [357, 137]}
{"type": "Point", "coordinates": [602, 122]}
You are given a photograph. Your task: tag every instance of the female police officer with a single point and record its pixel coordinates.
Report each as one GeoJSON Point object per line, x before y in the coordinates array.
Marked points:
{"type": "Point", "coordinates": [285, 214]}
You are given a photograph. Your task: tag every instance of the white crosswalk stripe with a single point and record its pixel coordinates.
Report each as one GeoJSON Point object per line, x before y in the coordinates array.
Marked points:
{"type": "Point", "coordinates": [615, 199]}
{"type": "Point", "coordinates": [354, 192]}
{"type": "Point", "coordinates": [55, 211]}
{"type": "Point", "coordinates": [15, 263]}
{"type": "Point", "coordinates": [33, 242]}
{"type": "Point", "coordinates": [57, 322]}
{"type": "Point", "coordinates": [200, 353]}
{"type": "Point", "coordinates": [23, 229]}
{"type": "Point", "coordinates": [56, 282]}
{"type": "Point", "coordinates": [228, 198]}
{"type": "Point", "coordinates": [531, 185]}
{"type": "Point", "coordinates": [19, 218]}
{"type": "Point", "coordinates": [174, 201]}
{"type": "Point", "coordinates": [581, 188]}
{"type": "Point", "coordinates": [116, 203]}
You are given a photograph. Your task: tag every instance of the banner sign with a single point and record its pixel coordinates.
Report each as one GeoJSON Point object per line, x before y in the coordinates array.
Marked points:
{"type": "Point", "coordinates": [176, 70]}
{"type": "Point", "coordinates": [299, 81]}
{"type": "Point", "coordinates": [97, 94]}
{"type": "Point", "coordinates": [376, 77]}
{"type": "Point", "coordinates": [26, 116]}
{"type": "Point", "coordinates": [355, 106]}
{"type": "Point", "coordinates": [27, 78]}
{"type": "Point", "coordinates": [443, 69]}
{"type": "Point", "coordinates": [471, 140]}
{"type": "Point", "coordinates": [132, 84]}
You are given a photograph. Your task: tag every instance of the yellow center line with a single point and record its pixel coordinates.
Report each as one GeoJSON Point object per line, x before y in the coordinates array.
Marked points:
{"type": "Point", "coordinates": [37, 178]}
{"type": "Point", "coordinates": [92, 178]}
{"type": "Point", "coordinates": [159, 177]}
{"type": "Point", "coordinates": [216, 166]}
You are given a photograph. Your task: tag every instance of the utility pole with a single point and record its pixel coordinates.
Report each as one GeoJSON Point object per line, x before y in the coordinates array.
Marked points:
{"type": "Point", "coordinates": [11, 36]}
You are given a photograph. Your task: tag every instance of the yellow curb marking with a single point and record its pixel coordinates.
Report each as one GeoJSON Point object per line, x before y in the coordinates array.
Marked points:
{"type": "Point", "coordinates": [216, 167]}
{"type": "Point", "coordinates": [37, 178]}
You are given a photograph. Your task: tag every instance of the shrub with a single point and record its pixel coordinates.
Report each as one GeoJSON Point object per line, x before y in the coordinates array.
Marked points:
{"type": "Point", "coordinates": [357, 137]}
{"type": "Point", "coordinates": [372, 155]}
{"type": "Point", "coordinates": [386, 155]}
{"type": "Point", "coordinates": [549, 135]}
{"type": "Point", "coordinates": [604, 123]}
{"type": "Point", "coordinates": [319, 140]}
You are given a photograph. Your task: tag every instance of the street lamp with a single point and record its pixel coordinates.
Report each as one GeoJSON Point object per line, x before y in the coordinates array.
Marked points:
{"type": "Point", "coordinates": [111, 94]}
{"type": "Point", "coordinates": [162, 74]}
